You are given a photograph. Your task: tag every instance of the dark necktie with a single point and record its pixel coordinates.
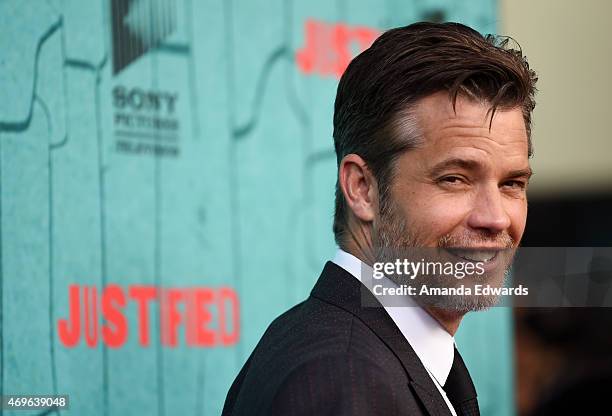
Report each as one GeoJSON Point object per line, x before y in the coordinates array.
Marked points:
{"type": "Point", "coordinates": [460, 389]}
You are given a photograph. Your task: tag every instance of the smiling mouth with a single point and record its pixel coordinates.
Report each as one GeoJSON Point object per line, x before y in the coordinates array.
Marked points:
{"type": "Point", "coordinates": [475, 255]}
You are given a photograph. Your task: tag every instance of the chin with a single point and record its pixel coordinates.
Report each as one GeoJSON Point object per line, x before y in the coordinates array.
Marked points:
{"type": "Point", "coordinates": [459, 295]}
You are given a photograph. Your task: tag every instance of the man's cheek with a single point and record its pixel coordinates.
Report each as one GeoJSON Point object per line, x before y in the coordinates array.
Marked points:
{"type": "Point", "coordinates": [438, 221]}
{"type": "Point", "coordinates": [450, 211]}
{"type": "Point", "coordinates": [518, 218]}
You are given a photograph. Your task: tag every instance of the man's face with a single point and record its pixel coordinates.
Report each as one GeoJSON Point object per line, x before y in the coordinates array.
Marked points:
{"type": "Point", "coordinates": [465, 186]}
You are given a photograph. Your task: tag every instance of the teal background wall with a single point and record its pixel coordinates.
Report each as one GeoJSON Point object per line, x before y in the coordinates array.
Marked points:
{"type": "Point", "coordinates": [218, 171]}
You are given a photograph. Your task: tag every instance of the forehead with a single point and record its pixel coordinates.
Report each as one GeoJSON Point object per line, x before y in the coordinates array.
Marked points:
{"type": "Point", "coordinates": [469, 126]}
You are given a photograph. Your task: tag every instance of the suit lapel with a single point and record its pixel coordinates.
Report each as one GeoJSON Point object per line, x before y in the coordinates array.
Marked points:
{"type": "Point", "coordinates": [337, 287]}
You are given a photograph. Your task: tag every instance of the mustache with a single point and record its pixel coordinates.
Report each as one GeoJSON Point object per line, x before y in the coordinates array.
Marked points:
{"type": "Point", "coordinates": [471, 239]}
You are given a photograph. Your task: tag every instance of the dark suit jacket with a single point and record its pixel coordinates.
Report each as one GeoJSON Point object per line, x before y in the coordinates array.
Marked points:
{"type": "Point", "coordinates": [330, 356]}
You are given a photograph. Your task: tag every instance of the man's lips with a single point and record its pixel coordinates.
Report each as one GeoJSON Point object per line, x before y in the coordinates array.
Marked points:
{"type": "Point", "coordinates": [492, 259]}
{"type": "Point", "coordinates": [475, 255]}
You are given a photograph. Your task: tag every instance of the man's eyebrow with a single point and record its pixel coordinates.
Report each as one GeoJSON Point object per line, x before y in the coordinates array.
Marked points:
{"type": "Point", "coordinates": [521, 173]}
{"type": "Point", "coordinates": [469, 164]}
{"type": "Point", "coordinates": [455, 162]}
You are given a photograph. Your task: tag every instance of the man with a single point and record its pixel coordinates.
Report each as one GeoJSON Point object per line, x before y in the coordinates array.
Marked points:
{"type": "Point", "coordinates": [432, 135]}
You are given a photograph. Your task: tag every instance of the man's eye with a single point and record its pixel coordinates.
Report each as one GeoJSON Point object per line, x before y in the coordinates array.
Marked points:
{"type": "Point", "coordinates": [451, 180]}
{"type": "Point", "coordinates": [515, 184]}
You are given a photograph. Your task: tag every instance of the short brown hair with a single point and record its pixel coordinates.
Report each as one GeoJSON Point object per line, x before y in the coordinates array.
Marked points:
{"type": "Point", "coordinates": [405, 64]}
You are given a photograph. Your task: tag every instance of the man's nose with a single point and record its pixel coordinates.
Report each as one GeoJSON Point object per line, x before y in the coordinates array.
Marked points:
{"type": "Point", "coordinates": [489, 213]}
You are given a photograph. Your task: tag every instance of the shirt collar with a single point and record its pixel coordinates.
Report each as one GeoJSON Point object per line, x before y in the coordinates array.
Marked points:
{"type": "Point", "coordinates": [430, 341]}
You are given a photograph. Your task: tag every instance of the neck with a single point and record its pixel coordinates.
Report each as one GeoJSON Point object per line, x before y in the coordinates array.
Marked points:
{"type": "Point", "coordinates": [360, 245]}
{"type": "Point", "coordinates": [449, 320]}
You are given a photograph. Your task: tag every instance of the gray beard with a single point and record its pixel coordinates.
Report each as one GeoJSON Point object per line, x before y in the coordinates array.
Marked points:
{"type": "Point", "coordinates": [393, 240]}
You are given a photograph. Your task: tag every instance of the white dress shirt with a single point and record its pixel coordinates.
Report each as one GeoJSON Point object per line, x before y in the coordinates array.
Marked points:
{"type": "Point", "coordinates": [429, 340]}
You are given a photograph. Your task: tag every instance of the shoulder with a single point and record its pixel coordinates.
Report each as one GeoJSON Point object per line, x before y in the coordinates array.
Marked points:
{"type": "Point", "coordinates": [315, 328]}
{"type": "Point", "coordinates": [339, 384]}
{"type": "Point", "coordinates": [320, 354]}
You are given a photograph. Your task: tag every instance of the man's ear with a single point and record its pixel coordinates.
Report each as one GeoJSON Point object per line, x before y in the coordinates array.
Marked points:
{"type": "Point", "coordinates": [359, 187]}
